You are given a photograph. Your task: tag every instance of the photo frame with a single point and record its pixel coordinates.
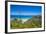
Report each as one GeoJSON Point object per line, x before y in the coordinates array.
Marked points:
{"type": "Point", "coordinates": [26, 15]}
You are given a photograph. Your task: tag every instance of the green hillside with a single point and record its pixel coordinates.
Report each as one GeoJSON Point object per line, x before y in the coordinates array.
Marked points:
{"type": "Point", "coordinates": [34, 22]}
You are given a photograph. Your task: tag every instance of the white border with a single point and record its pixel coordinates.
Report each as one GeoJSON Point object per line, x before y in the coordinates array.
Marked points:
{"type": "Point", "coordinates": [29, 29]}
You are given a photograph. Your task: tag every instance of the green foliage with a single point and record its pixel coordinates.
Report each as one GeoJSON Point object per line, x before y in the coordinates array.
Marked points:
{"type": "Point", "coordinates": [34, 23]}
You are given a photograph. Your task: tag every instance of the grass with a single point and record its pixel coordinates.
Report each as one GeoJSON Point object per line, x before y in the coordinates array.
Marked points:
{"type": "Point", "coordinates": [34, 22]}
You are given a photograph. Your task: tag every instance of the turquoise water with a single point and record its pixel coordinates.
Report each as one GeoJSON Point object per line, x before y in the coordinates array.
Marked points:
{"type": "Point", "coordinates": [20, 16]}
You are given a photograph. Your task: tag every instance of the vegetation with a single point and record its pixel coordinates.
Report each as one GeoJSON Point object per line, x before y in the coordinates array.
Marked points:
{"type": "Point", "coordinates": [34, 22]}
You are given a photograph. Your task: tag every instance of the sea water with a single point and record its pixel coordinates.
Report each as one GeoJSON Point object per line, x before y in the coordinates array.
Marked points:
{"type": "Point", "coordinates": [24, 18]}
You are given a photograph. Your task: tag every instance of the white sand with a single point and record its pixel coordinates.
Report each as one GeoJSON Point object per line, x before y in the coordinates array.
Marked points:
{"type": "Point", "coordinates": [24, 20]}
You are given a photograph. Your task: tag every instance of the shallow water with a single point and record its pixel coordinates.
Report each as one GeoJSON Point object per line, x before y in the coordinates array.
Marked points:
{"type": "Point", "coordinates": [24, 18]}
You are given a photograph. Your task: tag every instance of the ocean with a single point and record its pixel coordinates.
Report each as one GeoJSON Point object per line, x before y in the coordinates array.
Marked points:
{"type": "Point", "coordinates": [20, 16]}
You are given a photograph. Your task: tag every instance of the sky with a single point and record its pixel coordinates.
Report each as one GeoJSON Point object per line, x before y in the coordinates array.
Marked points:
{"type": "Point", "coordinates": [25, 10]}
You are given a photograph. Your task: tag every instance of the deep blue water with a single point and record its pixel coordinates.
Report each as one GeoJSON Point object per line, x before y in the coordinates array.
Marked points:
{"type": "Point", "coordinates": [20, 16]}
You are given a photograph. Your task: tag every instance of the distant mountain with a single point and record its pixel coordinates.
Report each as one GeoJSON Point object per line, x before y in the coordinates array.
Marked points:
{"type": "Point", "coordinates": [34, 18]}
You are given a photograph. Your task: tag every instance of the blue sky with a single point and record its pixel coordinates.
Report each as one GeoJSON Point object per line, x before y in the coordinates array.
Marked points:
{"type": "Point", "coordinates": [25, 10]}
